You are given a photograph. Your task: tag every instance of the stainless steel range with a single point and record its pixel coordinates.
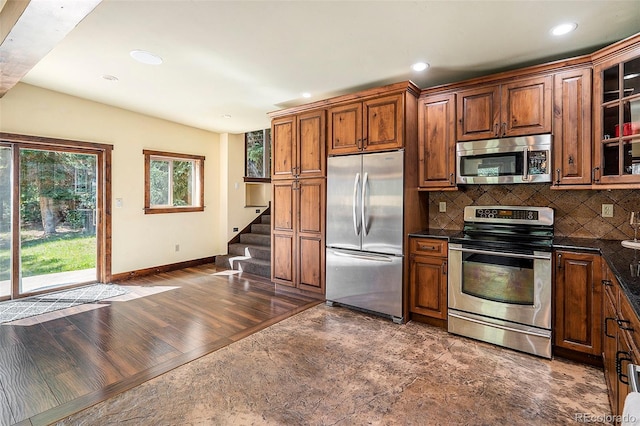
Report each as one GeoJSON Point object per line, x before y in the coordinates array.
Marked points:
{"type": "Point", "coordinates": [500, 277]}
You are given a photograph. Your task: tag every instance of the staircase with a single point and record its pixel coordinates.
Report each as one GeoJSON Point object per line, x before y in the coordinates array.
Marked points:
{"type": "Point", "coordinates": [250, 251]}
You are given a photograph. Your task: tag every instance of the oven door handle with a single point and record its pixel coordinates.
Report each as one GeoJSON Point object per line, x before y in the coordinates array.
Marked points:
{"type": "Point", "coordinates": [501, 327]}
{"type": "Point", "coordinates": [546, 256]}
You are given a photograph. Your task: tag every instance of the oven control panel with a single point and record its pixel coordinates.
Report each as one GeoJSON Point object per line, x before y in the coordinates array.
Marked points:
{"type": "Point", "coordinates": [506, 214]}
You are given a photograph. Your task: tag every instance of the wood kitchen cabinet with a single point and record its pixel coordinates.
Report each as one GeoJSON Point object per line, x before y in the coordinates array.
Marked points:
{"type": "Point", "coordinates": [619, 340]}
{"type": "Point", "coordinates": [428, 278]}
{"type": "Point", "coordinates": [437, 142]}
{"type": "Point", "coordinates": [298, 149]}
{"type": "Point", "coordinates": [616, 113]}
{"type": "Point", "coordinates": [375, 124]}
{"type": "Point", "coordinates": [517, 108]}
{"type": "Point", "coordinates": [298, 229]}
{"type": "Point", "coordinates": [572, 127]}
{"type": "Point", "coordinates": [578, 302]}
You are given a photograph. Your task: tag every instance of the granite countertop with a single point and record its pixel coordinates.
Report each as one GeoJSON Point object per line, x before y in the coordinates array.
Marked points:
{"type": "Point", "coordinates": [624, 262]}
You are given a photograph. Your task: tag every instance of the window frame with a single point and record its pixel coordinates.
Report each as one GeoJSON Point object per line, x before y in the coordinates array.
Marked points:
{"type": "Point", "coordinates": [172, 156]}
{"type": "Point", "coordinates": [266, 157]}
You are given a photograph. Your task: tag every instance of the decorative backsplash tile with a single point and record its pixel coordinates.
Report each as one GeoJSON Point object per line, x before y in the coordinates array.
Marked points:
{"type": "Point", "coordinates": [577, 213]}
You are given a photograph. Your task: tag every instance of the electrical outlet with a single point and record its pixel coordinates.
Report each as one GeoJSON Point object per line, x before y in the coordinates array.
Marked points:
{"type": "Point", "coordinates": [607, 210]}
{"type": "Point", "coordinates": [257, 210]}
{"type": "Point", "coordinates": [235, 229]}
{"type": "Point", "coordinates": [442, 207]}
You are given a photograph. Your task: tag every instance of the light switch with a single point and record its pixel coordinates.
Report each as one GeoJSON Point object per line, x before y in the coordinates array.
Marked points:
{"type": "Point", "coordinates": [118, 203]}
{"type": "Point", "coordinates": [442, 207]}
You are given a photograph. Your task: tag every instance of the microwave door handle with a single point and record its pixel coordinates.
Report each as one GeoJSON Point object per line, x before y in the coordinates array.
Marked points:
{"type": "Point", "coordinates": [525, 167]}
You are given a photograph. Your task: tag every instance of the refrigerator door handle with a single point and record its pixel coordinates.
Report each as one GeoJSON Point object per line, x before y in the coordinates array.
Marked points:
{"type": "Point", "coordinates": [376, 258]}
{"type": "Point", "coordinates": [364, 194]}
{"type": "Point", "coordinates": [355, 204]}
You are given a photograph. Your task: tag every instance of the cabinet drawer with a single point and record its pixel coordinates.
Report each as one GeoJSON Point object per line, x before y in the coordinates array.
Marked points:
{"type": "Point", "coordinates": [428, 246]}
{"type": "Point", "coordinates": [630, 322]}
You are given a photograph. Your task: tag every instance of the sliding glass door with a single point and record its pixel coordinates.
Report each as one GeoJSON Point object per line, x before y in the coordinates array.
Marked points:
{"type": "Point", "coordinates": [57, 219]}
{"type": "Point", "coordinates": [55, 223]}
{"type": "Point", "coordinates": [5, 221]}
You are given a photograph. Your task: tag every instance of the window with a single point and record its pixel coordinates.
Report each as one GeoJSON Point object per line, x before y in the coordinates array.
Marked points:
{"type": "Point", "coordinates": [173, 182]}
{"type": "Point", "coordinates": [257, 146]}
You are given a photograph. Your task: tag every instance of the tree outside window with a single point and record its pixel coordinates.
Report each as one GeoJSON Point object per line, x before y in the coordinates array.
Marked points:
{"type": "Point", "coordinates": [258, 155]}
{"type": "Point", "coordinates": [173, 182]}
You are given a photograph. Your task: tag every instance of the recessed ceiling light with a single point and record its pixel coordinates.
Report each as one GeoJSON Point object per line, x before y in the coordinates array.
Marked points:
{"type": "Point", "coordinates": [630, 76]}
{"type": "Point", "coordinates": [420, 66]}
{"type": "Point", "coordinates": [110, 77]}
{"type": "Point", "coordinates": [226, 116]}
{"type": "Point", "coordinates": [563, 29]}
{"type": "Point", "coordinates": [145, 57]}
{"type": "Point", "coordinates": [306, 95]}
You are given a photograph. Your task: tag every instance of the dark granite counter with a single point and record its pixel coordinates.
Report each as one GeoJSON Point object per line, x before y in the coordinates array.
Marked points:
{"type": "Point", "coordinates": [624, 262]}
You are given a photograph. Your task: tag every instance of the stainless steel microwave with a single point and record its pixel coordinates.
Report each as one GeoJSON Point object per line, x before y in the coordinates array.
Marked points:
{"type": "Point", "coordinates": [523, 159]}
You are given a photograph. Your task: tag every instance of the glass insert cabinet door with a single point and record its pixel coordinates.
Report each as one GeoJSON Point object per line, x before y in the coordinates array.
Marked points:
{"type": "Point", "coordinates": [619, 138]}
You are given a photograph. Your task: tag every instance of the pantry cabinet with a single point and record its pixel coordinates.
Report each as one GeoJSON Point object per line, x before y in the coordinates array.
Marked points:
{"type": "Point", "coordinates": [578, 302]}
{"type": "Point", "coordinates": [517, 108]}
{"type": "Point", "coordinates": [298, 229]}
{"type": "Point", "coordinates": [375, 124]}
{"type": "Point", "coordinates": [437, 142]}
{"type": "Point", "coordinates": [298, 146]}
{"type": "Point", "coordinates": [572, 127]}
{"type": "Point", "coordinates": [428, 277]}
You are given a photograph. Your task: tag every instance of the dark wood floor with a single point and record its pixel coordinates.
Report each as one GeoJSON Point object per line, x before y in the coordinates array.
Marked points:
{"type": "Point", "coordinates": [53, 368]}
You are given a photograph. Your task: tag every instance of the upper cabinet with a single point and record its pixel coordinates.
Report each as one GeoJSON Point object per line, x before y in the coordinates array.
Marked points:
{"type": "Point", "coordinates": [436, 142]}
{"type": "Point", "coordinates": [298, 146]}
{"type": "Point", "coordinates": [521, 107]}
{"type": "Point", "coordinates": [617, 118]}
{"type": "Point", "coordinates": [572, 127]}
{"type": "Point", "coordinates": [374, 124]}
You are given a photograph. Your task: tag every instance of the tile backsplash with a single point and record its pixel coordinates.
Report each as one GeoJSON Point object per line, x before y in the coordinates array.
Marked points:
{"type": "Point", "coordinates": [577, 213]}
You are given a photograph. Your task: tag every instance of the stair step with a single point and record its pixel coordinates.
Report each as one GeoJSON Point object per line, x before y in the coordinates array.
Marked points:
{"type": "Point", "coordinates": [252, 250]}
{"type": "Point", "coordinates": [241, 263]}
{"type": "Point", "coordinates": [256, 239]}
{"type": "Point", "coordinates": [261, 228]}
{"type": "Point", "coordinates": [266, 219]}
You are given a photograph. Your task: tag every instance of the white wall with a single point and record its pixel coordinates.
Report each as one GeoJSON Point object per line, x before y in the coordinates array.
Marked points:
{"type": "Point", "coordinates": [239, 215]}
{"type": "Point", "coordinates": [139, 241]}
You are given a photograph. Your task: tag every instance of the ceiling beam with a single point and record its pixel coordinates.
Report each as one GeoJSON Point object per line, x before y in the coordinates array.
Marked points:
{"type": "Point", "coordinates": [30, 29]}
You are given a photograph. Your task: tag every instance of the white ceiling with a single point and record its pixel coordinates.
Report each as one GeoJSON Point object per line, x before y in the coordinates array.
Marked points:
{"type": "Point", "coordinates": [246, 58]}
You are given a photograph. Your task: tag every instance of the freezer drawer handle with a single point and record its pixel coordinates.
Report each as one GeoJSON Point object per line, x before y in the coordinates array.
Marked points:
{"type": "Point", "coordinates": [355, 204]}
{"type": "Point", "coordinates": [501, 327]}
{"type": "Point", "coordinates": [364, 256]}
{"type": "Point", "coordinates": [364, 194]}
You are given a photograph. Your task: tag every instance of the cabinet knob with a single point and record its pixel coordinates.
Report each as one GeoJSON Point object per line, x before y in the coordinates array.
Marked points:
{"type": "Point", "coordinates": [607, 283]}
{"type": "Point", "coordinates": [451, 180]}
{"type": "Point", "coordinates": [593, 174]}
{"type": "Point", "coordinates": [559, 261]}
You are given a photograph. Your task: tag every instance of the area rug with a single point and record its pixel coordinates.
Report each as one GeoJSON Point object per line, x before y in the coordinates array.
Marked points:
{"type": "Point", "coordinates": [18, 309]}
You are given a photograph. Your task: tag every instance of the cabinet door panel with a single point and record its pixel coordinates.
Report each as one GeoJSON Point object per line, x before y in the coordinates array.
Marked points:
{"type": "Point", "coordinates": [478, 113]}
{"type": "Point", "coordinates": [578, 302]}
{"type": "Point", "coordinates": [345, 129]}
{"type": "Point", "coordinates": [572, 127]}
{"type": "Point", "coordinates": [428, 278]}
{"type": "Point", "coordinates": [311, 145]}
{"type": "Point", "coordinates": [436, 141]}
{"type": "Point", "coordinates": [526, 107]}
{"type": "Point", "coordinates": [283, 154]}
{"type": "Point", "coordinates": [383, 123]}
{"type": "Point", "coordinates": [311, 251]}
{"type": "Point", "coordinates": [283, 205]}
{"type": "Point", "coordinates": [311, 193]}
{"type": "Point", "coordinates": [282, 259]}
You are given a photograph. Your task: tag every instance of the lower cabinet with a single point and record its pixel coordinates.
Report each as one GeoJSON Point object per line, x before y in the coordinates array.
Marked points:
{"type": "Point", "coordinates": [619, 346]}
{"type": "Point", "coordinates": [428, 277]}
{"type": "Point", "coordinates": [578, 302]}
{"type": "Point", "coordinates": [297, 227]}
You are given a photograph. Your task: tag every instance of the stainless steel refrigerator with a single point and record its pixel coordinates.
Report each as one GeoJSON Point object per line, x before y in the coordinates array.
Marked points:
{"type": "Point", "coordinates": [364, 232]}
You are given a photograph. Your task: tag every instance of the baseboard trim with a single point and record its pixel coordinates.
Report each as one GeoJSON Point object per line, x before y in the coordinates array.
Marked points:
{"type": "Point", "coordinates": [124, 276]}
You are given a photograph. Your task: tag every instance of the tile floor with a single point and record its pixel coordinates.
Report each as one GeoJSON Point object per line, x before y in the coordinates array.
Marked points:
{"type": "Point", "coordinates": [336, 366]}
